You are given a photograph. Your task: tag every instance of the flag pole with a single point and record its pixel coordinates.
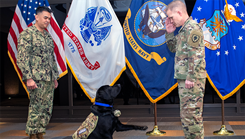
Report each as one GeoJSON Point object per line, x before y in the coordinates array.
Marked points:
{"type": "Point", "coordinates": [223, 131]}
{"type": "Point", "coordinates": [155, 131]}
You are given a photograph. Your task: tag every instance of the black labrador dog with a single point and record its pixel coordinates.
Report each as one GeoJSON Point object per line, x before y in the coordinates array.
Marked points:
{"type": "Point", "coordinates": [103, 120]}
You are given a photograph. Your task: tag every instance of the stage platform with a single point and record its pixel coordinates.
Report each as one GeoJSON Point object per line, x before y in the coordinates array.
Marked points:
{"type": "Point", "coordinates": [15, 129]}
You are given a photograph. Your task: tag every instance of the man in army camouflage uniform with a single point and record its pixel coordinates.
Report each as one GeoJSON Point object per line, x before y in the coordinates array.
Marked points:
{"type": "Point", "coordinates": [189, 67]}
{"type": "Point", "coordinates": [37, 63]}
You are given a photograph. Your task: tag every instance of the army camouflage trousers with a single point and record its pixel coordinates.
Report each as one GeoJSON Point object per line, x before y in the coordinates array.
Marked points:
{"type": "Point", "coordinates": [191, 108]}
{"type": "Point", "coordinates": [40, 107]}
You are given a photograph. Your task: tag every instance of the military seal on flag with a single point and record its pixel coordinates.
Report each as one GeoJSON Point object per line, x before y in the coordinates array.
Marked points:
{"type": "Point", "coordinates": [150, 23]}
{"type": "Point", "coordinates": [147, 54]}
{"type": "Point", "coordinates": [223, 27]}
{"type": "Point", "coordinates": [94, 45]}
{"type": "Point", "coordinates": [93, 25]}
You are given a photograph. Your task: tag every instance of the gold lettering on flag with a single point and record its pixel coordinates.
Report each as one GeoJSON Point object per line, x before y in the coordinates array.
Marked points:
{"type": "Point", "coordinates": [141, 52]}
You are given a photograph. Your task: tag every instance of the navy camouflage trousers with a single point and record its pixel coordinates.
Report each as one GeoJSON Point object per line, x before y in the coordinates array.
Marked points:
{"type": "Point", "coordinates": [40, 107]}
{"type": "Point", "coordinates": [191, 108]}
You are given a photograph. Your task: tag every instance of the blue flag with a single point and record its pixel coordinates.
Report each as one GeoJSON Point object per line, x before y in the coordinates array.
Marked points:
{"type": "Point", "coordinates": [147, 54]}
{"type": "Point", "coordinates": [223, 24]}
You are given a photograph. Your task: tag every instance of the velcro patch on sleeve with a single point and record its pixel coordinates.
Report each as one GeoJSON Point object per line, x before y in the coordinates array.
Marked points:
{"type": "Point", "coordinates": [86, 128]}
{"type": "Point", "coordinates": [195, 38]}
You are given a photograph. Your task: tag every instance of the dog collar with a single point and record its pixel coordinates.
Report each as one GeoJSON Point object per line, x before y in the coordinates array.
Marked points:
{"type": "Point", "coordinates": [102, 104]}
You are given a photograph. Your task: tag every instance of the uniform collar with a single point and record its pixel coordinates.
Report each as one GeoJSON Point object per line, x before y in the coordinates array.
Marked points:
{"type": "Point", "coordinates": [37, 31]}
{"type": "Point", "coordinates": [187, 21]}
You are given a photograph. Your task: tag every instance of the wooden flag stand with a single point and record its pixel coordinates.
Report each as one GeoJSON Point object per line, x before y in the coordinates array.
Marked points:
{"type": "Point", "coordinates": [223, 131]}
{"type": "Point", "coordinates": [155, 131]}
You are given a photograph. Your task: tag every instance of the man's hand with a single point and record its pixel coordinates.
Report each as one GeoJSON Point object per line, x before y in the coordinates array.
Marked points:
{"type": "Point", "coordinates": [31, 84]}
{"type": "Point", "coordinates": [170, 27]}
{"type": "Point", "coordinates": [189, 84]}
{"type": "Point", "coordinates": [55, 84]}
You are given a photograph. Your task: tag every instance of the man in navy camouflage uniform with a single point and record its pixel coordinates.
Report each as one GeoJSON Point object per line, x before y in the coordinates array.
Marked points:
{"type": "Point", "coordinates": [189, 67]}
{"type": "Point", "coordinates": [37, 63]}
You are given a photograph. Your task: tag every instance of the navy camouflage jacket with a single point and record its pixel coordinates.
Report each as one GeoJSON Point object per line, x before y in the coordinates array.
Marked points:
{"type": "Point", "coordinates": [36, 55]}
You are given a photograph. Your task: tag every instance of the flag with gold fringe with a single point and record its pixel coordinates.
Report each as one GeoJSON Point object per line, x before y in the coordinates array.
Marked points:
{"type": "Point", "coordinates": [223, 24]}
{"type": "Point", "coordinates": [147, 54]}
{"type": "Point", "coordinates": [93, 39]}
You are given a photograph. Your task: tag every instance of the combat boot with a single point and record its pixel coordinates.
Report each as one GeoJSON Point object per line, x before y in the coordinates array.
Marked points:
{"type": "Point", "coordinates": [33, 136]}
{"type": "Point", "coordinates": [40, 136]}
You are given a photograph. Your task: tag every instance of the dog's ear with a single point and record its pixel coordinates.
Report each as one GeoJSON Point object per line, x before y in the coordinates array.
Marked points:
{"type": "Point", "coordinates": [106, 93]}
{"type": "Point", "coordinates": [115, 90]}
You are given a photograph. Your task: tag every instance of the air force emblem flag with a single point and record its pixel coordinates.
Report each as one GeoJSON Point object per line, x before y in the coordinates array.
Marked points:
{"type": "Point", "coordinates": [222, 22]}
{"type": "Point", "coordinates": [94, 45]}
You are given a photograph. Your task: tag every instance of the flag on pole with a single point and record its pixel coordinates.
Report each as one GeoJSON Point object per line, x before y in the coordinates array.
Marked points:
{"type": "Point", "coordinates": [94, 45]}
{"type": "Point", "coordinates": [223, 24]}
{"type": "Point", "coordinates": [147, 54]}
{"type": "Point", "coordinates": [24, 17]}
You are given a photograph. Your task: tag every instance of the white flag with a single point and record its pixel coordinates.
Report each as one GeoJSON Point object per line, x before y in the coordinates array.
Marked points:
{"type": "Point", "coordinates": [94, 45]}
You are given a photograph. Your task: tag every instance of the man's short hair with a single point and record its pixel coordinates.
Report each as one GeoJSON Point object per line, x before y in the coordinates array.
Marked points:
{"type": "Point", "coordinates": [43, 8]}
{"type": "Point", "coordinates": [174, 4]}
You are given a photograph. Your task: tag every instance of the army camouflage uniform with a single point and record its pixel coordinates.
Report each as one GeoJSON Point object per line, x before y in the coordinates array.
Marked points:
{"type": "Point", "coordinates": [190, 65]}
{"type": "Point", "coordinates": [87, 127]}
{"type": "Point", "coordinates": [36, 61]}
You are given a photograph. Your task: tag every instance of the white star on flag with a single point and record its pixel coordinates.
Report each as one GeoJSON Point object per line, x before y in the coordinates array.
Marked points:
{"type": "Point", "coordinates": [196, 20]}
{"type": "Point", "coordinates": [243, 26]}
{"type": "Point", "coordinates": [218, 53]}
{"type": "Point", "coordinates": [226, 52]}
{"type": "Point", "coordinates": [240, 38]}
{"type": "Point", "coordinates": [242, 14]}
{"type": "Point", "coordinates": [237, 4]}
{"type": "Point", "coordinates": [206, 0]}
{"type": "Point", "coordinates": [199, 8]}
{"type": "Point", "coordinates": [234, 46]}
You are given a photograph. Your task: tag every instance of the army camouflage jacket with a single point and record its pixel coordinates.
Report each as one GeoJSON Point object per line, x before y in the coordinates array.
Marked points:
{"type": "Point", "coordinates": [36, 55]}
{"type": "Point", "coordinates": [189, 47]}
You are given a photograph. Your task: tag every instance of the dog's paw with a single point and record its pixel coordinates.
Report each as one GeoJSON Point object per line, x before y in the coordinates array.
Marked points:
{"type": "Point", "coordinates": [142, 127]}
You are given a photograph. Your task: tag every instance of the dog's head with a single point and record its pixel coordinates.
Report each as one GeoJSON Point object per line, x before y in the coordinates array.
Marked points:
{"type": "Point", "coordinates": [106, 93]}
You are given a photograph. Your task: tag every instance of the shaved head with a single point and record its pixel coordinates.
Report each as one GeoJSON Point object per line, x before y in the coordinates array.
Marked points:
{"type": "Point", "coordinates": [177, 13]}
{"type": "Point", "coordinates": [176, 5]}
